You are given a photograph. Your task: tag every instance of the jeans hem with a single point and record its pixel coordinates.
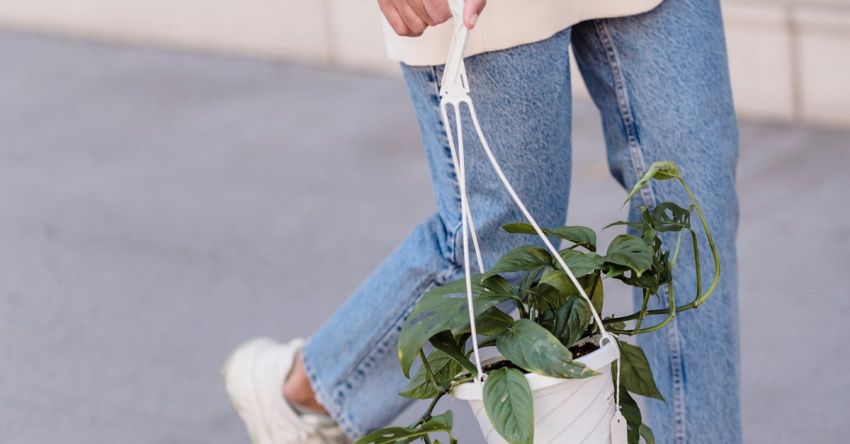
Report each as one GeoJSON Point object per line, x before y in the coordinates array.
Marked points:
{"type": "Point", "coordinates": [334, 402]}
{"type": "Point", "coordinates": [326, 399]}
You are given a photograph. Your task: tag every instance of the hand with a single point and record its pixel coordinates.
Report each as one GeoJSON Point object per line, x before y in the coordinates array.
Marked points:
{"type": "Point", "coordinates": [410, 18]}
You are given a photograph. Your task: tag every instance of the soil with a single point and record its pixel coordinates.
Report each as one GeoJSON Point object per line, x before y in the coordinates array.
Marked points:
{"type": "Point", "coordinates": [577, 350]}
{"type": "Point", "coordinates": [583, 349]}
{"type": "Point", "coordinates": [501, 364]}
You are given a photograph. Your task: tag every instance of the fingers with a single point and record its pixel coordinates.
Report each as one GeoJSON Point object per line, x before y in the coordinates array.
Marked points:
{"type": "Point", "coordinates": [421, 11]}
{"type": "Point", "coordinates": [393, 17]}
{"type": "Point", "coordinates": [471, 10]}
{"type": "Point", "coordinates": [410, 18]}
{"type": "Point", "coordinates": [403, 18]}
{"type": "Point", "coordinates": [438, 10]}
{"type": "Point", "coordinates": [414, 22]}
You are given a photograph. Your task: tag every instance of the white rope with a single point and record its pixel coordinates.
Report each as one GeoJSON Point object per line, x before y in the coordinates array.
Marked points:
{"type": "Point", "coordinates": [467, 228]}
{"type": "Point", "coordinates": [459, 159]}
{"type": "Point", "coordinates": [554, 251]}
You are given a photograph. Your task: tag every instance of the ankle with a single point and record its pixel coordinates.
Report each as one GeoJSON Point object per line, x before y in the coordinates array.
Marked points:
{"type": "Point", "coordinates": [298, 391]}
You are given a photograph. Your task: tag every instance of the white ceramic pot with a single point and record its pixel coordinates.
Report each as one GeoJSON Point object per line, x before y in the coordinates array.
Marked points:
{"type": "Point", "coordinates": [566, 411]}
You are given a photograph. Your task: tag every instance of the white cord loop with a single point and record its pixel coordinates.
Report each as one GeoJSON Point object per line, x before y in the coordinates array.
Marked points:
{"type": "Point", "coordinates": [454, 92]}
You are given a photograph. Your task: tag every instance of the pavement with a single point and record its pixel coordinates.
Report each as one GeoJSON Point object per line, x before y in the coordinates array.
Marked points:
{"type": "Point", "coordinates": [157, 208]}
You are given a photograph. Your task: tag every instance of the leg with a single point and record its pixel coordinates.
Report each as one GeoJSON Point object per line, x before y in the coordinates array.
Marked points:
{"type": "Point", "coordinates": [660, 81]}
{"type": "Point", "coordinates": [351, 360]}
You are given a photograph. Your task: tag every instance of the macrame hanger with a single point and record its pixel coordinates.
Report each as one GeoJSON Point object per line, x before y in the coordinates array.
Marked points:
{"type": "Point", "coordinates": [454, 92]}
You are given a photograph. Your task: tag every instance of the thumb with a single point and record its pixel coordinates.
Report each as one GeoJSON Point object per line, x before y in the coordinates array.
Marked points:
{"type": "Point", "coordinates": [471, 10]}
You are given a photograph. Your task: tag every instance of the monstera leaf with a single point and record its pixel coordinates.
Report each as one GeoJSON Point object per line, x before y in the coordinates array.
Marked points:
{"type": "Point", "coordinates": [631, 252]}
{"type": "Point", "coordinates": [403, 435]}
{"type": "Point", "coordinates": [445, 308]}
{"type": "Point", "coordinates": [581, 263]}
{"type": "Point", "coordinates": [444, 367]}
{"type": "Point", "coordinates": [509, 405]}
{"type": "Point", "coordinates": [664, 170]}
{"type": "Point", "coordinates": [535, 349]}
{"type": "Point", "coordinates": [525, 258]}
{"type": "Point", "coordinates": [571, 320]}
{"type": "Point", "coordinates": [636, 376]}
{"type": "Point", "coordinates": [576, 234]}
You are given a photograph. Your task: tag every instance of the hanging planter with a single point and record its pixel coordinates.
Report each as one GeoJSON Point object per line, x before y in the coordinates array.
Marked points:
{"type": "Point", "coordinates": [564, 410]}
{"type": "Point", "coordinates": [564, 375]}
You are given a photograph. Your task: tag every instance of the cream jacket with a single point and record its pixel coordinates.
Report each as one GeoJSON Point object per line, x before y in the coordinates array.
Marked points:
{"type": "Point", "coordinates": [507, 23]}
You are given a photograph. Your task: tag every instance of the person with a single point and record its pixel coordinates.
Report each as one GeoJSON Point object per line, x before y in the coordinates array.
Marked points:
{"type": "Point", "coordinates": [657, 72]}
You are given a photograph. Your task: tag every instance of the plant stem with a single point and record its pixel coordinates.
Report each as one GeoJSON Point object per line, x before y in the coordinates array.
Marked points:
{"type": "Point", "coordinates": [695, 247]}
{"type": "Point", "coordinates": [466, 379]}
{"type": "Point", "coordinates": [715, 255]}
{"type": "Point", "coordinates": [434, 403]}
{"type": "Point", "coordinates": [596, 281]}
{"type": "Point", "coordinates": [671, 313]}
{"type": "Point", "coordinates": [676, 251]}
{"type": "Point", "coordinates": [700, 298]}
{"type": "Point", "coordinates": [520, 306]}
{"type": "Point", "coordinates": [659, 311]}
{"type": "Point", "coordinates": [427, 415]}
{"type": "Point", "coordinates": [643, 307]}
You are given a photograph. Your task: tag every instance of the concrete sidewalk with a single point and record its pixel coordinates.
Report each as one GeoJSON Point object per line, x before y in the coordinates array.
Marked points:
{"type": "Point", "coordinates": [157, 208]}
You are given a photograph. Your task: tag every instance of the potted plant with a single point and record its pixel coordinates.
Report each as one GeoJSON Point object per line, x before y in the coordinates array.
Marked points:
{"type": "Point", "coordinates": [556, 376]}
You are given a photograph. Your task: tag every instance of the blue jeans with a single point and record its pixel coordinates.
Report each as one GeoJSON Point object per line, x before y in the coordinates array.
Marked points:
{"type": "Point", "coordinates": [661, 84]}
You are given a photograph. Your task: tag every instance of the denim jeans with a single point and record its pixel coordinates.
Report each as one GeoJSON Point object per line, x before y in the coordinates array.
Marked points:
{"type": "Point", "coordinates": [660, 81]}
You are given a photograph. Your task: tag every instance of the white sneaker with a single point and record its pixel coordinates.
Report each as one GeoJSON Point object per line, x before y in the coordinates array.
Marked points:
{"type": "Point", "coordinates": [254, 375]}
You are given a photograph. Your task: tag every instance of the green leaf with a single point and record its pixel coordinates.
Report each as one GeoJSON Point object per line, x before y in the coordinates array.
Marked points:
{"type": "Point", "coordinates": [480, 283]}
{"type": "Point", "coordinates": [576, 234]}
{"type": "Point", "coordinates": [572, 319]}
{"type": "Point", "coordinates": [524, 258]}
{"type": "Point", "coordinates": [614, 270]}
{"type": "Point", "coordinates": [646, 433]}
{"type": "Point", "coordinates": [668, 216]}
{"type": "Point", "coordinates": [444, 367]}
{"type": "Point", "coordinates": [634, 225]}
{"type": "Point", "coordinates": [663, 170]}
{"type": "Point", "coordinates": [630, 410]}
{"type": "Point", "coordinates": [444, 308]}
{"type": "Point", "coordinates": [595, 291]}
{"type": "Point", "coordinates": [509, 405]}
{"type": "Point", "coordinates": [629, 251]}
{"type": "Point", "coordinates": [636, 375]}
{"type": "Point", "coordinates": [558, 279]}
{"type": "Point", "coordinates": [619, 325]}
{"type": "Point", "coordinates": [391, 435]}
{"type": "Point", "coordinates": [493, 322]}
{"type": "Point", "coordinates": [403, 435]}
{"type": "Point", "coordinates": [646, 226]}
{"type": "Point", "coordinates": [444, 420]}
{"type": "Point", "coordinates": [446, 343]}
{"type": "Point", "coordinates": [582, 263]}
{"type": "Point", "coordinates": [535, 349]}
{"type": "Point", "coordinates": [554, 288]}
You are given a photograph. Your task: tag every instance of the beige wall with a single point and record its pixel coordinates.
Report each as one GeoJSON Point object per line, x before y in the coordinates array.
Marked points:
{"type": "Point", "coordinates": [343, 32]}
{"type": "Point", "coordinates": [790, 60]}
